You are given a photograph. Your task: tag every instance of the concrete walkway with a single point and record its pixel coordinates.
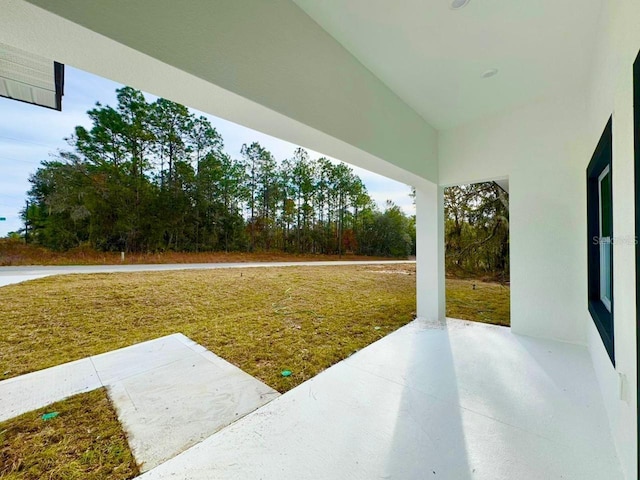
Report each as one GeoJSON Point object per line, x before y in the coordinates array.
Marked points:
{"type": "Point", "coordinates": [458, 402]}
{"type": "Point", "coordinates": [11, 275]}
{"type": "Point", "coordinates": [170, 393]}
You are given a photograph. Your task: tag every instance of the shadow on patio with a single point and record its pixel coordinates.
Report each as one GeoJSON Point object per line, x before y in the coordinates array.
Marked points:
{"type": "Point", "coordinates": [466, 401]}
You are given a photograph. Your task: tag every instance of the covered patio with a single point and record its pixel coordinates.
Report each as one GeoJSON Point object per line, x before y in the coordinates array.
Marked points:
{"type": "Point", "coordinates": [459, 400]}
{"type": "Point", "coordinates": [432, 94]}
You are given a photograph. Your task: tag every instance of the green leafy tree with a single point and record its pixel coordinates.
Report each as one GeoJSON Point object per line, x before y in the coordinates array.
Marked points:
{"type": "Point", "coordinates": [151, 176]}
{"type": "Point", "coordinates": [477, 230]}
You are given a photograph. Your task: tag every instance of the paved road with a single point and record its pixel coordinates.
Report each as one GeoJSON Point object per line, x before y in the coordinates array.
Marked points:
{"type": "Point", "coordinates": [10, 275]}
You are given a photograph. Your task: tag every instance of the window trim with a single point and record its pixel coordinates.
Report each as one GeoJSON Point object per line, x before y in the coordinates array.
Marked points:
{"type": "Point", "coordinates": [602, 314]}
{"type": "Point", "coordinates": [606, 301]}
{"type": "Point", "coordinates": [636, 188]}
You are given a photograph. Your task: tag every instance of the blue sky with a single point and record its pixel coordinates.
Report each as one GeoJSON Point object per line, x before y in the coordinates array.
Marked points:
{"type": "Point", "coordinates": [30, 134]}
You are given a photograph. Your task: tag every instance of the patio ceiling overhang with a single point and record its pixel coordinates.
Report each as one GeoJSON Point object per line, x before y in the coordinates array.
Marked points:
{"type": "Point", "coordinates": [30, 78]}
{"type": "Point", "coordinates": [384, 79]}
{"type": "Point", "coordinates": [454, 66]}
{"type": "Point", "coordinates": [274, 70]}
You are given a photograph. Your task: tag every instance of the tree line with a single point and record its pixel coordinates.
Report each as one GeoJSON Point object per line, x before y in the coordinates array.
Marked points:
{"type": "Point", "coordinates": [477, 230]}
{"type": "Point", "coordinates": [152, 176]}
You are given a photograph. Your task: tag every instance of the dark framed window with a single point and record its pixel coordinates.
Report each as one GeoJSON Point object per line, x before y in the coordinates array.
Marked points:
{"type": "Point", "coordinates": [636, 135]}
{"type": "Point", "coordinates": [600, 247]}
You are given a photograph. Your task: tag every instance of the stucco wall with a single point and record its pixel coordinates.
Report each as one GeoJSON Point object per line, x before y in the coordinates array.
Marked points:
{"type": "Point", "coordinates": [611, 93]}
{"type": "Point", "coordinates": [540, 148]}
{"type": "Point", "coordinates": [544, 149]}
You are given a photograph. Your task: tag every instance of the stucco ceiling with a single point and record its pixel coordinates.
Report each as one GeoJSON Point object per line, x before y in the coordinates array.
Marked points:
{"type": "Point", "coordinates": [433, 57]}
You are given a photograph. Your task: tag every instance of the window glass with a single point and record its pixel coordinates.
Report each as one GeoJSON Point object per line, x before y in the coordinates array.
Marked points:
{"type": "Point", "coordinates": [606, 226]}
{"type": "Point", "coordinates": [604, 201]}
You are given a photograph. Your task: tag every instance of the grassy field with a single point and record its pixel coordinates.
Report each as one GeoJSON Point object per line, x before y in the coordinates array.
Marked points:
{"type": "Point", "coordinates": [15, 253]}
{"type": "Point", "coordinates": [85, 442]}
{"type": "Point", "coordinates": [303, 319]}
{"type": "Point", "coordinates": [486, 302]}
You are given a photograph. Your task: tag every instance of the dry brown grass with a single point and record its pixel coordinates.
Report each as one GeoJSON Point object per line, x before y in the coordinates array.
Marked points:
{"type": "Point", "coordinates": [263, 320]}
{"type": "Point", "coordinates": [486, 302]}
{"type": "Point", "coordinates": [303, 319]}
{"type": "Point", "coordinates": [14, 252]}
{"type": "Point", "coordinates": [85, 442]}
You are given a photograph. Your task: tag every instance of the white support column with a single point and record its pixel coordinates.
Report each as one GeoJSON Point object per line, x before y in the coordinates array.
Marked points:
{"type": "Point", "coordinates": [430, 251]}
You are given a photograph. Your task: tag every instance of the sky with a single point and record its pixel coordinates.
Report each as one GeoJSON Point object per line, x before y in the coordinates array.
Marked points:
{"type": "Point", "coordinates": [30, 134]}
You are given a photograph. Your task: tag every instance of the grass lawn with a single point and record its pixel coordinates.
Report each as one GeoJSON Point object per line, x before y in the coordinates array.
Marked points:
{"type": "Point", "coordinates": [302, 319]}
{"type": "Point", "coordinates": [85, 442]}
{"type": "Point", "coordinates": [263, 320]}
{"type": "Point", "coordinates": [486, 302]}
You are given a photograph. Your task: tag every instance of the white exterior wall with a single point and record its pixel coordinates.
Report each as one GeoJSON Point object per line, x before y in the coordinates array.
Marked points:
{"type": "Point", "coordinates": [611, 93]}
{"type": "Point", "coordinates": [430, 277]}
{"type": "Point", "coordinates": [544, 149]}
{"type": "Point", "coordinates": [539, 149]}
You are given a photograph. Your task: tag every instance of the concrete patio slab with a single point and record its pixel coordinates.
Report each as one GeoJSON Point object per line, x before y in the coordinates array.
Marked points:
{"type": "Point", "coordinates": [29, 392]}
{"type": "Point", "coordinates": [460, 401]}
{"type": "Point", "coordinates": [170, 393]}
{"type": "Point", "coordinates": [173, 407]}
{"type": "Point", "coordinates": [140, 358]}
